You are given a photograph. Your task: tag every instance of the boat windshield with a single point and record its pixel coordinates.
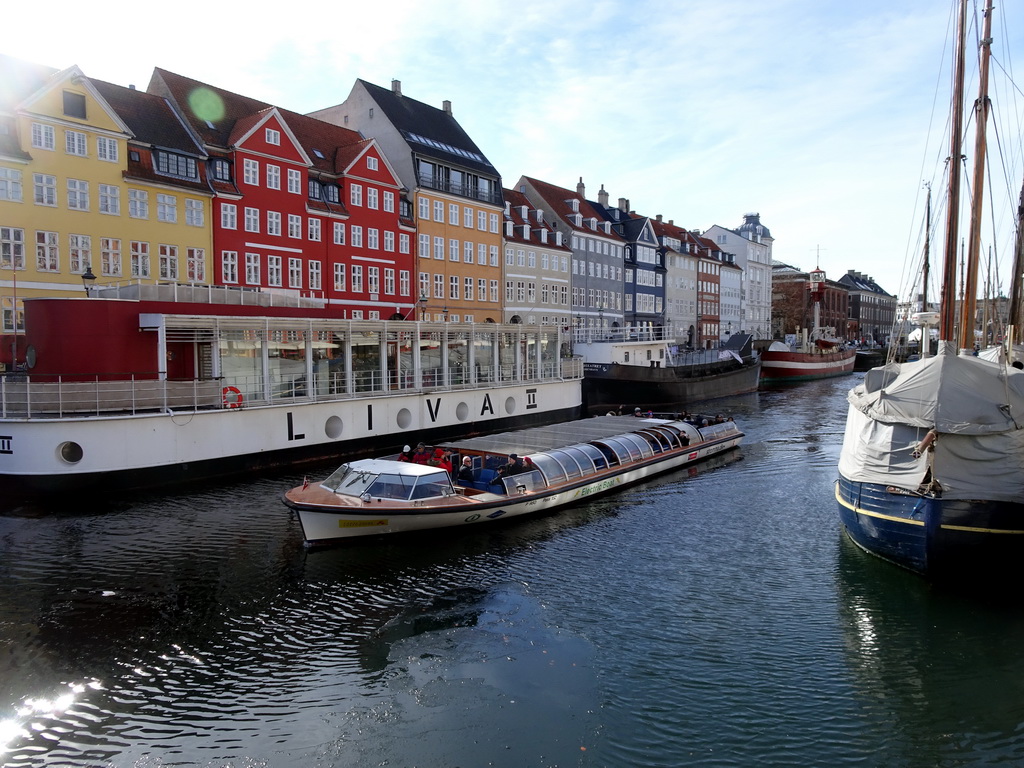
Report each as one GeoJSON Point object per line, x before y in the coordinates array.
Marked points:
{"type": "Point", "coordinates": [356, 481]}
{"type": "Point", "coordinates": [349, 481]}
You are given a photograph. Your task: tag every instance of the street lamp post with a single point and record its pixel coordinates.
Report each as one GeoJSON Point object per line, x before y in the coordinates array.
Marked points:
{"type": "Point", "coordinates": [88, 278]}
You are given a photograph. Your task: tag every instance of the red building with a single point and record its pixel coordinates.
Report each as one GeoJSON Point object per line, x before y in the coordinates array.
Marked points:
{"type": "Point", "coordinates": [302, 207]}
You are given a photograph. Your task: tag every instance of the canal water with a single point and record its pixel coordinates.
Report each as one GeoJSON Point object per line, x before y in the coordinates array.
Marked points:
{"type": "Point", "coordinates": [716, 617]}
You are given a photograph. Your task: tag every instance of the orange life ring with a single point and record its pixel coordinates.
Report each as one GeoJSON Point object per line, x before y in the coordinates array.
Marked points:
{"type": "Point", "coordinates": [236, 401]}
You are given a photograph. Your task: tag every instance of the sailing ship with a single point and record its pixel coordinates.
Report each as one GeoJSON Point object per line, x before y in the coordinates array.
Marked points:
{"type": "Point", "coordinates": [930, 473]}
{"type": "Point", "coordinates": [818, 353]}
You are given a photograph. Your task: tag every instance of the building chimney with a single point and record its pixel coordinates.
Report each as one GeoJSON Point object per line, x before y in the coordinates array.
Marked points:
{"type": "Point", "coordinates": [581, 190]}
{"type": "Point", "coordinates": [658, 218]}
{"type": "Point", "coordinates": [396, 87]}
{"type": "Point", "coordinates": [602, 197]}
{"type": "Point", "coordinates": [624, 204]}
{"type": "Point", "coordinates": [446, 106]}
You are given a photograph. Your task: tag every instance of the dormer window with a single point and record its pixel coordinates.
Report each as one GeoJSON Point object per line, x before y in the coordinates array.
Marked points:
{"type": "Point", "coordinates": [509, 228]}
{"type": "Point", "coordinates": [540, 216]}
{"type": "Point", "coordinates": [315, 190]}
{"type": "Point", "coordinates": [575, 205]}
{"type": "Point", "coordinates": [508, 208]}
{"type": "Point", "coordinates": [526, 231]}
{"type": "Point", "coordinates": [331, 193]}
{"type": "Point", "coordinates": [592, 223]}
{"type": "Point", "coordinates": [543, 235]}
{"type": "Point", "coordinates": [607, 227]}
{"type": "Point", "coordinates": [578, 219]}
{"type": "Point", "coordinates": [524, 212]}
{"type": "Point", "coordinates": [221, 169]}
{"type": "Point", "coordinates": [170, 164]}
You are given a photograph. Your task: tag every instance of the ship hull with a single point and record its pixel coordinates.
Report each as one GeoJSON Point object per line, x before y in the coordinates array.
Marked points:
{"type": "Point", "coordinates": [54, 455]}
{"type": "Point", "coordinates": [935, 537]}
{"type": "Point", "coordinates": [608, 386]}
{"type": "Point", "coordinates": [804, 366]}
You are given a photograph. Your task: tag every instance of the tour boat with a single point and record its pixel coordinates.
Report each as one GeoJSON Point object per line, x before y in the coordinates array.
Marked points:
{"type": "Point", "coordinates": [930, 469]}
{"type": "Point", "coordinates": [557, 466]}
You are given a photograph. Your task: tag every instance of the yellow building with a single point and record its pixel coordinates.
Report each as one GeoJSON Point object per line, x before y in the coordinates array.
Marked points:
{"type": "Point", "coordinates": [98, 181]}
{"type": "Point", "coordinates": [455, 194]}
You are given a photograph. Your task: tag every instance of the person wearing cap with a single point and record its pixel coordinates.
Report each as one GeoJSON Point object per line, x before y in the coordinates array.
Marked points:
{"type": "Point", "coordinates": [515, 465]}
{"type": "Point", "coordinates": [406, 454]}
{"type": "Point", "coordinates": [422, 454]}
{"type": "Point", "coordinates": [465, 476]}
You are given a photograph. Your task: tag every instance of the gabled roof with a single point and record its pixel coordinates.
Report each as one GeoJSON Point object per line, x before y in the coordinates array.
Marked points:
{"type": "Point", "coordinates": [559, 201]}
{"type": "Point", "coordinates": [430, 131]}
{"type": "Point", "coordinates": [220, 116]}
{"type": "Point", "coordinates": [151, 118]}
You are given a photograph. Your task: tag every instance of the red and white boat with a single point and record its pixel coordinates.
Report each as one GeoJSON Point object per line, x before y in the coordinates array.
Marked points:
{"type": "Point", "coordinates": [817, 355]}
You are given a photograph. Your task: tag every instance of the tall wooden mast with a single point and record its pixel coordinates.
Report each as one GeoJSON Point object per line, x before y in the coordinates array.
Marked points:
{"type": "Point", "coordinates": [947, 309]}
{"type": "Point", "coordinates": [982, 108]}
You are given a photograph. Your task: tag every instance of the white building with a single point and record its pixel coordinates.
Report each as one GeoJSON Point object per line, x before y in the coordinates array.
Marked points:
{"type": "Point", "coordinates": [751, 244]}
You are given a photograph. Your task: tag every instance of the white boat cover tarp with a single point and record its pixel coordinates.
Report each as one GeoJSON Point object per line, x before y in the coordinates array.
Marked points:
{"type": "Point", "coordinates": [975, 406]}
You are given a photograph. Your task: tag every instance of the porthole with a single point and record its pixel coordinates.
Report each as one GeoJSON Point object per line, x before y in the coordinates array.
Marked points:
{"type": "Point", "coordinates": [404, 418]}
{"type": "Point", "coordinates": [462, 411]}
{"type": "Point", "coordinates": [334, 427]}
{"type": "Point", "coordinates": [71, 452]}
{"type": "Point", "coordinates": [510, 405]}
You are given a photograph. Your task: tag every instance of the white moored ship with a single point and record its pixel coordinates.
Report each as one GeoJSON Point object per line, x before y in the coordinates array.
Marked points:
{"type": "Point", "coordinates": [156, 385]}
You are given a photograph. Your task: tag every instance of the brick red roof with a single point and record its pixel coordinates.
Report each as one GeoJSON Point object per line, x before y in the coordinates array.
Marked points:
{"type": "Point", "coordinates": [220, 117]}
{"type": "Point", "coordinates": [557, 200]}
{"type": "Point", "coordinates": [516, 200]}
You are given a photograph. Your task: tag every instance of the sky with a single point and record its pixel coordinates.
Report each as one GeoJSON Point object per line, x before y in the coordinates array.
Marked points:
{"type": "Point", "coordinates": [825, 117]}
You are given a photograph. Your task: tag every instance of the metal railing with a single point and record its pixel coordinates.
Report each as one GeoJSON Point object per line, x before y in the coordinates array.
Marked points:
{"type": "Point", "coordinates": [38, 396]}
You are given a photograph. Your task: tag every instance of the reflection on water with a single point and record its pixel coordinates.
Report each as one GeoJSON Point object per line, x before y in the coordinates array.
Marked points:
{"type": "Point", "coordinates": [712, 617]}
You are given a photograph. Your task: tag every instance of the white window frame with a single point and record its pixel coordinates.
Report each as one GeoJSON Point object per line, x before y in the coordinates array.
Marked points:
{"type": "Point", "coordinates": [168, 261]}
{"type": "Point", "coordinates": [76, 143]}
{"type": "Point", "coordinates": [138, 203]}
{"type": "Point", "coordinates": [250, 172]}
{"type": "Point", "coordinates": [275, 270]}
{"type": "Point", "coordinates": [314, 232]}
{"type": "Point", "coordinates": [44, 137]}
{"type": "Point", "coordinates": [294, 181]}
{"type": "Point", "coordinates": [139, 258]}
{"type": "Point", "coordinates": [167, 208]}
{"type": "Point", "coordinates": [273, 176]}
{"type": "Point", "coordinates": [11, 188]}
{"type": "Point", "coordinates": [106, 149]}
{"type": "Point", "coordinates": [229, 267]}
{"type": "Point", "coordinates": [78, 195]}
{"type": "Point", "coordinates": [195, 215]}
{"type": "Point", "coordinates": [229, 220]}
{"type": "Point", "coordinates": [110, 199]}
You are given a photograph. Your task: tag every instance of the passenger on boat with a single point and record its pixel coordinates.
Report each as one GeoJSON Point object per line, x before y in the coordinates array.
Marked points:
{"type": "Point", "coordinates": [406, 454]}
{"type": "Point", "coordinates": [515, 465]}
{"type": "Point", "coordinates": [442, 459]}
{"type": "Point", "coordinates": [422, 454]}
{"type": "Point", "coordinates": [465, 471]}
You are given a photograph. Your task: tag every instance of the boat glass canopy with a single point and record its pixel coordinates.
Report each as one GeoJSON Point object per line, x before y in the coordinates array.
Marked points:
{"type": "Point", "coordinates": [379, 479]}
